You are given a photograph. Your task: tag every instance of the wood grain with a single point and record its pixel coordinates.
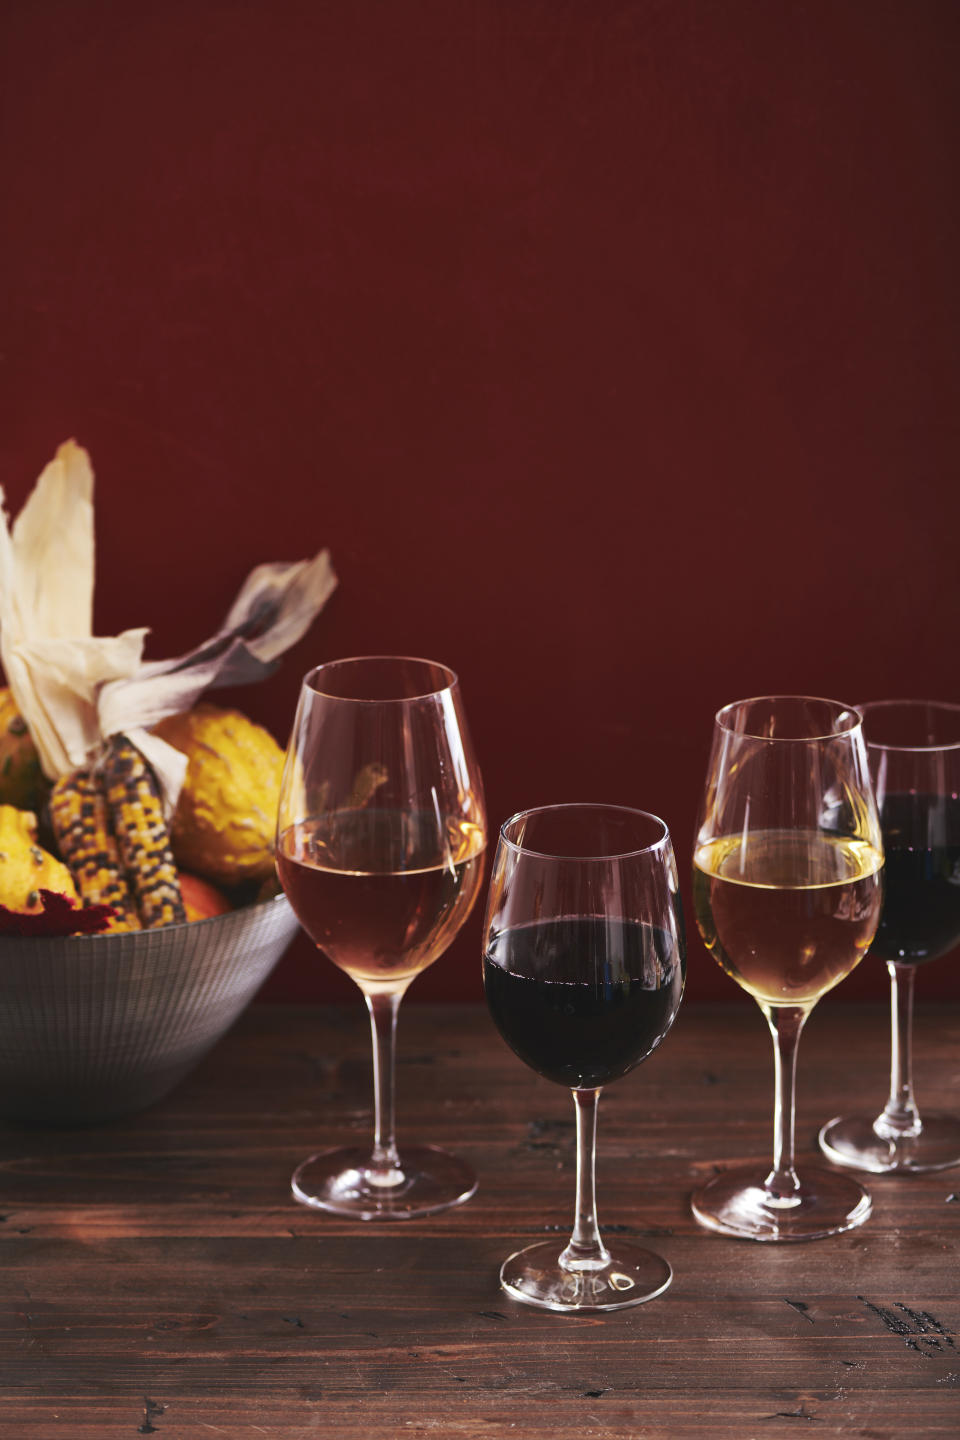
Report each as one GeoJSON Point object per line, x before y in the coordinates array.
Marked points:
{"type": "Point", "coordinates": [158, 1279]}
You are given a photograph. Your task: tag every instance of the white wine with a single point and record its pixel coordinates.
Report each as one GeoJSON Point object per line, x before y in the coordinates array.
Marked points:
{"type": "Point", "coordinates": [787, 913]}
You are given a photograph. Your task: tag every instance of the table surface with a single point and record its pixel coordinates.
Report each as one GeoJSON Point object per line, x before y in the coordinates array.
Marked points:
{"type": "Point", "coordinates": [157, 1278]}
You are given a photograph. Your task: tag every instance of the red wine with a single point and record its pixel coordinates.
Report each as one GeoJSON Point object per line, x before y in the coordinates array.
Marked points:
{"type": "Point", "coordinates": [583, 1000]}
{"type": "Point", "coordinates": [381, 892]}
{"type": "Point", "coordinates": [920, 919]}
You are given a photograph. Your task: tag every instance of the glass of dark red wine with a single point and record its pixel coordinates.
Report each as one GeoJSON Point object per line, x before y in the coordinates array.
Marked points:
{"type": "Point", "coordinates": [583, 970]}
{"type": "Point", "coordinates": [913, 747]}
{"type": "Point", "coordinates": [787, 890]}
{"type": "Point", "coordinates": [380, 840]}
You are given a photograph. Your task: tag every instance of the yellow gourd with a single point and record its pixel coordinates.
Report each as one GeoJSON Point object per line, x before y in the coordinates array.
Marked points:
{"type": "Point", "coordinates": [22, 782]}
{"type": "Point", "coordinates": [26, 869]}
{"type": "Point", "coordinates": [224, 823]}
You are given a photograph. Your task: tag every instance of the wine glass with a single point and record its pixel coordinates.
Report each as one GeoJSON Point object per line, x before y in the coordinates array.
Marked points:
{"type": "Point", "coordinates": [380, 839]}
{"type": "Point", "coordinates": [913, 748]}
{"type": "Point", "coordinates": [583, 970]}
{"type": "Point", "coordinates": [787, 884]}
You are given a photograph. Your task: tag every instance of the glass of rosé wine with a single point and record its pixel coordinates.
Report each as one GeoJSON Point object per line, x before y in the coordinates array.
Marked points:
{"type": "Point", "coordinates": [380, 839]}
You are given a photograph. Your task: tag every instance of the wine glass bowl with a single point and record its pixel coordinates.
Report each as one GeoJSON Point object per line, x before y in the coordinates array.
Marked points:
{"type": "Point", "coordinates": [380, 843]}
{"type": "Point", "coordinates": [787, 890]}
{"type": "Point", "coordinates": [583, 968]}
{"type": "Point", "coordinates": [913, 749]}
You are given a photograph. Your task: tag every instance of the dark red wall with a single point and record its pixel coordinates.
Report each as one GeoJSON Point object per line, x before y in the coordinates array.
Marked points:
{"type": "Point", "coordinates": [611, 347]}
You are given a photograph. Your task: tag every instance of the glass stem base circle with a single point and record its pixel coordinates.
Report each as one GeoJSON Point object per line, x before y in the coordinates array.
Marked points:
{"type": "Point", "coordinates": [736, 1203]}
{"type": "Point", "coordinates": [854, 1141]}
{"type": "Point", "coordinates": [339, 1181]}
{"type": "Point", "coordinates": [630, 1276]}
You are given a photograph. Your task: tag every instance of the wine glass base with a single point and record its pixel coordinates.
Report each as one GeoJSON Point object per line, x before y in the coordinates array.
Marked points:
{"type": "Point", "coordinates": [735, 1203]}
{"type": "Point", "coordinates": [632, 1277]}
{"type": "Point", "coordinates": [337, 1181]}
{"type": "Point", "coordinates": [852, 1140]}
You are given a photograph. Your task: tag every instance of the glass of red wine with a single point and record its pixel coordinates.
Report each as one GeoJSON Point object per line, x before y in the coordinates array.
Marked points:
{"type": "Point", "coordinates": [913, 748]}
{"type": "Point", "coordinates": [583, 970]}
{"type": "Point", "coordinates": [380, 839]}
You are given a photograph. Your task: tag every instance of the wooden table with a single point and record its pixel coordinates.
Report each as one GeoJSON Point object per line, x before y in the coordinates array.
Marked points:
{"type": "Point", "coordinates": [158, 1279]}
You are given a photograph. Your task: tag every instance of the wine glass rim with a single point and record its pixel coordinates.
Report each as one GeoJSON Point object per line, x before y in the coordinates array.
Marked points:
{"type": "Point", "coordinates": [520, 849]}
{"type": "Point", "coordinates": [452, 679]}
{"type": "Point", "coordinates": [720, 719]}
{"type": "Point", "coordinates": [865, 705]}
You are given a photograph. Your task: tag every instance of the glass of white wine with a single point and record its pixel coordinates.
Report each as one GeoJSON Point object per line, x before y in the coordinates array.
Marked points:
{"type": "Point", "coordinates": [787, 890]}
{"type": "Point", "coordinates": [380, 839]}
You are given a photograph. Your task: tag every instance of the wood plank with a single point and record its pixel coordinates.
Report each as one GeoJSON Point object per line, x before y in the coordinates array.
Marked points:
{"type": "Point", "coordinates": [158, 1279]}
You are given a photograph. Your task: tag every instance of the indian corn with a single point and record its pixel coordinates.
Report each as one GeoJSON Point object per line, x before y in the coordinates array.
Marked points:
{"type": "Point", "coordinates": [142, 835]}
{"type": "Point", "coordinates": [78, 814]}
{"type": "Point", "coordinates": [109, 825]}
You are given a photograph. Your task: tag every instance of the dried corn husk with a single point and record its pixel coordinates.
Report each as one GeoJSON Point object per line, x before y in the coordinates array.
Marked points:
{"type": "Point", "coordinates": [76, 690]}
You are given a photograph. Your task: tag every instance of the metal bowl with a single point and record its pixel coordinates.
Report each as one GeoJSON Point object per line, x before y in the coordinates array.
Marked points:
{"type": "Point", "coordinates": [94, 1026]}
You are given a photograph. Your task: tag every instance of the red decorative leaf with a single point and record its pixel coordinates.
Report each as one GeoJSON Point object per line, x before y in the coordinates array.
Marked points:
{"type": "Point", "coordinates": [59, 916]}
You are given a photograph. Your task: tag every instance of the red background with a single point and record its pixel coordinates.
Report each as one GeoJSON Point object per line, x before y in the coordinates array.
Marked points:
{"type": "Point", "coordinates": [611, 348]}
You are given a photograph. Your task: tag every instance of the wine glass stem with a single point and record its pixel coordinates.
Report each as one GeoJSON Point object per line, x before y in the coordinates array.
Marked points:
{"type": "Point", "coordinates": [900, 1116]}
{"type": "Point", "coordinates": [786, 1021]}
{"type": "Point", "coordinates": [383, 1167]}
{"type": "Point", "coordinates": [586, 1251]}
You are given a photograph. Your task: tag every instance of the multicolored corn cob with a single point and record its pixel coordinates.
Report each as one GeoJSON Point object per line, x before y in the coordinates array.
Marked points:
{"type": "Point", "coordinates": [136, 813]}
{"type": "Point", "coordinates": [78, 813]}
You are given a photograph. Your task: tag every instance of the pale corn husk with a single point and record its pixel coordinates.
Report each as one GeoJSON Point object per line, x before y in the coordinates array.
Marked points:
{"type": "Point", "coordinates": [73, 689]}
